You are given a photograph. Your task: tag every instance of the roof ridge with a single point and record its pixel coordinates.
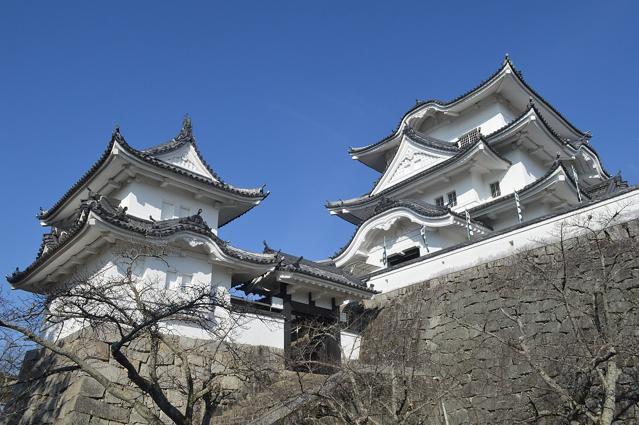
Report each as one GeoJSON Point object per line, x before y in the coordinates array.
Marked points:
{"type": "Point", "coordinates": [429, 141]}
{"type": "Point", "coordinates": [184, 137]}
{"type": "Point", "coordinates": [507, 62]}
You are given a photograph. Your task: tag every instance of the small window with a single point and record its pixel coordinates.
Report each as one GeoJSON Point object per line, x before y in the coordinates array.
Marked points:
{"type": "Point", "coordinates": [452, 199]}
{"type": "Point", "coordinates": [186, 281]}
{"type": "Point", "coordinates": [495, 191]}
{"type": "Point", "coordinates": [168, 211]}
{"type": "Point", "coordinates": [469, 138]}
{"type": "Point", "coordinates": [403, 256]}
{"type": "Point", "coordinates": [176, 281]}
{"type": "Point", "coordinates": [171, 280]}
{"type": "Point", "coordinates": [439, 201]}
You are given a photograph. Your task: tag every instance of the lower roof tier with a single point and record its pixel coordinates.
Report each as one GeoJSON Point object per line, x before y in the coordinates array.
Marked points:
{"type": "Point", "coordinates": [100, 224]}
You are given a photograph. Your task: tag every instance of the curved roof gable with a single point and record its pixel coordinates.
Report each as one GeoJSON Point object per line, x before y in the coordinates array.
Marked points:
{"type": "Point", "coordinates": [416, 153]}
{"type": "Point", "coordinates": [463, 154]}
{"type": "Point", "coordinates": [533, 114]}
{"type": "Point", "coordinates": [492, 83]}
{"type": "Point", "coordinates": [182, 151]}
{"type": "Point", "coordinates": [425, 213]}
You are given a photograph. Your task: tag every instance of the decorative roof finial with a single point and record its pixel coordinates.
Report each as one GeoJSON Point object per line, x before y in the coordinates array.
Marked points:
{"type": "Point", "coordinates": [507, 59]}
{"type": "Point", "coordinates": [531, 102]}
{"type": "Point", "coordinates": [187, 127]}
{"type": "Point", "coordinates": [116, 132]}
{"type": "Point", "coordinates": [266, 247]}
{"type": "Point", "coordinates": [297, 262]}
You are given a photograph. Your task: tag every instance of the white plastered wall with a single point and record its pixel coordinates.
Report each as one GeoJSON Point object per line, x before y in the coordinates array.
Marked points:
{"type": "Point", "coordinates": [490, 116]}
{"type": "Point", "coordinates": [146, 198]}
{"type": "Point", "coordinates": [172, 272]}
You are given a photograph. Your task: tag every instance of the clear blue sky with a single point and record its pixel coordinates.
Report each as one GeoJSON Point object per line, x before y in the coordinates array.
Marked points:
{"type": "Point", "coordinates": [278, 91]}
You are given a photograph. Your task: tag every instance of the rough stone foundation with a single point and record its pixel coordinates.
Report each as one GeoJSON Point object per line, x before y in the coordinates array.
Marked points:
{"type": "Point", "coordinates": [487, 381]}
{"type": "Point", "coordinates": [75, 398]}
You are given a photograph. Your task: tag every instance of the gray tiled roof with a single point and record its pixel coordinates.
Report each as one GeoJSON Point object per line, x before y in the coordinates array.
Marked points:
{"type": "Point", "coordinates": [606, 187]}
{"type": "Point", "coordinates": [327, 271]}
{"type": "Point", "coordinates": [152, 229]}
{"type": "Point", "coordinates": [148, 156]}
{"type": "Point", "coordinates": [386, 192]}
{"type": "Point", "coordinates": [461, 97]}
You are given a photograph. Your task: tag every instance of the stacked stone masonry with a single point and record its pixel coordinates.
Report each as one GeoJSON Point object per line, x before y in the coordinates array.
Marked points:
{"type": "Point", "coordinates": [449, 320]}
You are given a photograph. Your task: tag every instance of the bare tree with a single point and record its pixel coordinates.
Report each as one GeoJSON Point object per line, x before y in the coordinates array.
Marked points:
{"type": "Point", "coordinates": [394, 382]}
{"type": "Point", "coordinates": [579, 337]}
{"type": "Point", "coordinates": [123, 315]}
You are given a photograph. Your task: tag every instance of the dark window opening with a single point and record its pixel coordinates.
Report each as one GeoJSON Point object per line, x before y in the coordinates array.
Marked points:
{"type": "Point", "coordinates": [439, 201]}
{"type": "Point", "coordinates": [403, 256]}
{"type": "Point", "coordinates": [495, 191]}
{"type": "Point", "coordinates": [452, 199]}
{"type": "Point", "coordinates": [469, 138]}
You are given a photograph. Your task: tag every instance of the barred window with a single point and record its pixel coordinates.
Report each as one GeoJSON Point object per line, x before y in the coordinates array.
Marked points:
{"type": "Point", "coordinates": [469, 138]}
{"type": "Point", "coordinates": [439, 201]}
{"type": "Point", "coordinates": [495, 191]}
{"type": "Point", "coordinates": [452, 199]}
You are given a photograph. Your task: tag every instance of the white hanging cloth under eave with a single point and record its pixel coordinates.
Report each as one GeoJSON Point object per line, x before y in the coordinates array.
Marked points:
{"type": "Point", "coordinates": [469, 229]}
{"type": "Point", "coordinates": [422, 233]}
{"type": "Point", "coordinates": [384, 254]}
{"type": "Point", "coordinates": [576, 177]}
{"type": "Point", "coordinates": [520, 215]}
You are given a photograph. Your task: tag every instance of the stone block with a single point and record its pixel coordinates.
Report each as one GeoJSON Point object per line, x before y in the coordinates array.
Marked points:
{"type": "Point", "coordinates": [84, 386]}
{"type": "Point", "coordinates": [100, 409]}
{"type": "Point", "coordinates": [75, 418]}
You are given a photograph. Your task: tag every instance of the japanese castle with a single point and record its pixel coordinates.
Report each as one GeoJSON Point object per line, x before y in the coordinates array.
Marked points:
{"type": "Point", "coordinates": [456, 172]}
{"type": "Point", "coordinates": [461, 182]}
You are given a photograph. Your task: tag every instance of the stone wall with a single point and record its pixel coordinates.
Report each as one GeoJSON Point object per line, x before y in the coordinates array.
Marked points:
{"type": "Point", "coordinates": [456, 322]}
{"type": "Point", "coordinates": [460, 340]}
{"type": "Point", "coordinates": [75, 398]}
